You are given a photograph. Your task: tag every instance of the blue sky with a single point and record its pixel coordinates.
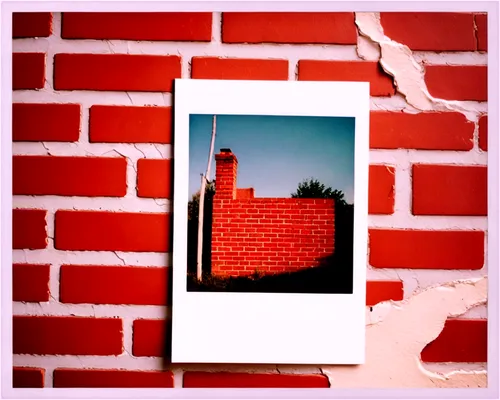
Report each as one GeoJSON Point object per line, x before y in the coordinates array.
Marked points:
{"type": "Point", "coordinates": [276, 153]}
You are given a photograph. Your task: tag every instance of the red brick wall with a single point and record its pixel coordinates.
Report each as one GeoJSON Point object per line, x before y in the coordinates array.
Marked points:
{"type": "Point", "coordinates": [270, 235]}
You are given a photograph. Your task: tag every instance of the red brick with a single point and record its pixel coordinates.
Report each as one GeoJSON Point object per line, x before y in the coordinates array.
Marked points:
{"type": "Point", "coordinates": [26, 377]}
{"type": "Point", "coordinates": [45, 122]}
{"type": "Point", "coordinates": [129, 124]}
{"type": "Point", "coordinates": [357, 71]}
{"type": "Point", "coordinates": [378, 291]}
{"type": "Point", "coordinates": [482, 31]}
{"type": "Point", "coordinates": [461, 340]}
{"type": "Point", "coordinates": [422, 131]}
{"type": "Point", "coordinates": [69, 176]}
{"type": "Point", "coordinates": [67, 335]}
{"type": "Point", "coordinates": [30, 282]}
{"type": "Point", "coordinates": [433, 31]}
{"type": "Point", "coordinates": [178, 26]}
{"type": "Point", "coordinates": [289, 27]}
{"type": "Point", "coordinates": [31, 24]}
{"type": "Point", "coordinates": [193, 379]}
{"type": "Point", "coordinates": [113, 285]}
{"type": "Point", "coordinates": [112, 378]}
{"type": "Point", "coordinates": [238, 68]}
{"type": "Point", "coordinates": [29, 229]}
{"type": "Point", "coordinates": [112, 231]}
{"type": "Point", "coordinates": [449, 190]}
{"type": "Point", "coordinates": [465, 82]}
{"type": "Point", "coordinates": [28, 71]}
{"type": "Point", "coordinates": [150, 337]}
{"type": "Point", "coordinates": [381, 185]}
{"type": "Point", "coordinates": [483, 133]}
{"type": "Point", "coordinates": [154, 178]}
{"type": "Point", "coordinates": [116, 72]}
{"type": "Point", "coordinates": [420, 249]}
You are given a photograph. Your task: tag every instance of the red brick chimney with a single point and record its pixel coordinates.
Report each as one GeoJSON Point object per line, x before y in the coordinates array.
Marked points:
{"type": "Point", "coordinates": [226, 167]}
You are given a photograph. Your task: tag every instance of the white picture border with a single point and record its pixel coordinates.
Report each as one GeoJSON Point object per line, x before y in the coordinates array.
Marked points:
{"type": "Point", "coordinates": [275, 328]}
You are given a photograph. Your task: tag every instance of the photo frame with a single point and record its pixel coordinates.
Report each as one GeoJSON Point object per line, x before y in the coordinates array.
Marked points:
{"type": "Point", "coordinates": [279, 325]}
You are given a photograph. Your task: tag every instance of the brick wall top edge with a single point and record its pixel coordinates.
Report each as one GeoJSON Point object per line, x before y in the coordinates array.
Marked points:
{"type": "Point", "coordinates": [279, 200]}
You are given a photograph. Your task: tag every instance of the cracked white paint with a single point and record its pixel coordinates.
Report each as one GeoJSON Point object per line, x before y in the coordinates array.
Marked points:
{"type": "Point", "coordinates": [398, 331]}
{"type": "Point", "coordinates": [387, 323]}
{"type": "Point", "coordinates": [398, 61]}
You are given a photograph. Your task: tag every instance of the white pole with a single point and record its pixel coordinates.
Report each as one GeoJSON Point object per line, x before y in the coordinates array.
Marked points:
{"type": "Point", "coordinates": [204, 180]}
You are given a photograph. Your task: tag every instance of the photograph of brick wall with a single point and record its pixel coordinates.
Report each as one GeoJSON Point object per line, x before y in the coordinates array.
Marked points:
{"type": "Point", "coordinates": [277, 213]}
{"type": "Point", "coordinates": [270, 235]}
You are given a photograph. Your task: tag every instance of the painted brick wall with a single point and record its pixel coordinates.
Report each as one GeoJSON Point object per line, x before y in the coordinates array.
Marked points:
{"type": "Point", "coordinates": [92, 123]}
{"type": "Point", "coordinates": [268, 235]}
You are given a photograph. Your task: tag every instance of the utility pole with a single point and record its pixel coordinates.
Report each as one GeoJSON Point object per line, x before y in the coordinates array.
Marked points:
{"type": "Point", "coordinates": [204, 180]}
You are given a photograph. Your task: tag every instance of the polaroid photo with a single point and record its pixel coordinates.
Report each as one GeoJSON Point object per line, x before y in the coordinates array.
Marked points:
{"type": "Point", "coordinates": [270, 222]}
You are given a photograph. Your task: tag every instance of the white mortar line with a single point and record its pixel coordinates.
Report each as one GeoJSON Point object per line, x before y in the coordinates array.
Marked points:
{"type": "Point", "coordinates": [55, 270]}
{"type": "Point", "coordinates": [49, 377]}
{"type": "Point", "coordinates": [56, 35]}
{"type": "Point", "coordinates": [178, 377]}
{"type": "Point", "coordinates": [130, 203]}
{"type": "Point", "coordinates": [87, 98]}
{"type": "Point", "coordinates": [49, 218]}
{"type": "Point", "coordinates": [91, 258]}
{"type": "Point", "coordinates": [90, 310]}
{"type": "Point", "coordinates": [402, 157]}
{"type": "Point", "coordinates": [131, 178]}
{"type": "Point", "coordinates": [451, 58]}
{"type": "Point", "coordinates": [403, 220]}
{"type": "Point", "coordinates": [217, 28]}
{"type": "Point", "coordinates": [127, 323]}
{"type": "Point", "coordinates": [134, 151]}
{"type": "Point", "coordinates": [84, 137]}
{"type": "Point", "coordinates": [189, 49]}
{"type": "Point", "coordinates": [123, 361]}
{"type": "Point", "coordinates": [402, 190]}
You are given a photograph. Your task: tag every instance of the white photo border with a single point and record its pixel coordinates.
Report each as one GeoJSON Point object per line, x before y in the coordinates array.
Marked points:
{"type": "Point", "coordinates": [274, 328]}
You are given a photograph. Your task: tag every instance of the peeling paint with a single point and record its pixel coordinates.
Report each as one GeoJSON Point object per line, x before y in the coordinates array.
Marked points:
{"type": "Point", "coordinates": [411, 324]}
{"type": "Point", "coordinates": [367, 49]}
{"type": "Point", "coordinates": [398, 61]}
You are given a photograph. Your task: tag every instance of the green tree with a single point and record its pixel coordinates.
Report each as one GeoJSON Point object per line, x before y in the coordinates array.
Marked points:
{"type": "Point", "coordinates": [313, 189]}
{"type": "Point", "coordinates": [194, 204]}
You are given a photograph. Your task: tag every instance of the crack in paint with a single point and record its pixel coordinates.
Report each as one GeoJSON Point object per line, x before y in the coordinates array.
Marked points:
{"type": "Point", "coordinates": [474, 23]}
{"type": "Point", "coordinates": [121, 259]}
{"type": "Point", "coordinates": [159, 152]}
{"type": "Point", "coordinates": [46, 148]}
{"type": "Point", "coordinates": [140, 151]}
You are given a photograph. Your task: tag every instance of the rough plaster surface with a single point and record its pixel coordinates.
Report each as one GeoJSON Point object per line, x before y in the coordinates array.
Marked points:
{"type": "Point", "coordinates": [392, 346]}
{"type": "Point", "coordinates": [412, 324]}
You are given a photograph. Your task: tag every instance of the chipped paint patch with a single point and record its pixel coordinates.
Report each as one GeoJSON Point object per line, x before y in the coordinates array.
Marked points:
{"type": "Point", "coordinates": [398, 61]}
{"type": "Point", "coordinates": [397, 332]}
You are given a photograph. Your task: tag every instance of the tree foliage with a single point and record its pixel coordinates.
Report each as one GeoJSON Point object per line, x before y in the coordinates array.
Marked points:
{"type": "Point", "coordinates": [194, 204]}
{"type": "Point", "coordinates": [313, 189]}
